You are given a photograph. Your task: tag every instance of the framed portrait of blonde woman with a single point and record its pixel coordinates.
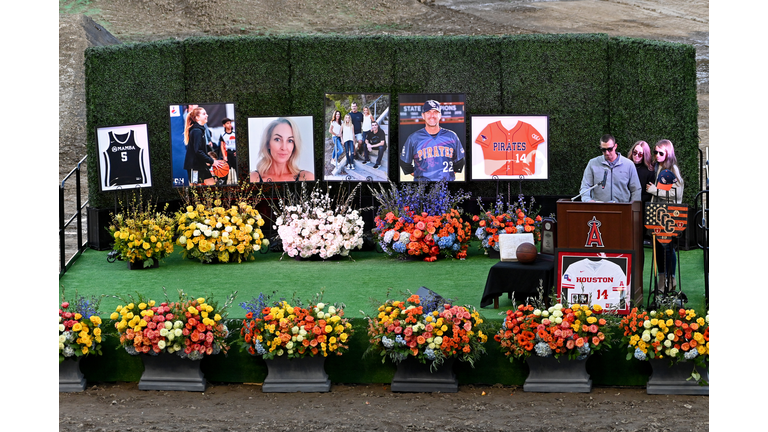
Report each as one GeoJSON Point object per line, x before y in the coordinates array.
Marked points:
{"type": "Point", "coordinates": [281, 149]}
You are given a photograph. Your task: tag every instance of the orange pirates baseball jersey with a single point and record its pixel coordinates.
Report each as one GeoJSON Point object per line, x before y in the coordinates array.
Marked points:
{"type": "Point", "coordinates": [509, 152]}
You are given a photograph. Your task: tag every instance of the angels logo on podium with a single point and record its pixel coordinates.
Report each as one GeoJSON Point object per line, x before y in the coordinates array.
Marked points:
{"type": "Point", "coordinates": [594, 237]}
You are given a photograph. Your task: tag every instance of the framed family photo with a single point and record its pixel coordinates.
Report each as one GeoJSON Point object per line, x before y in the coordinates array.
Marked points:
{"type": "Point", "coordinates": [356, 137]}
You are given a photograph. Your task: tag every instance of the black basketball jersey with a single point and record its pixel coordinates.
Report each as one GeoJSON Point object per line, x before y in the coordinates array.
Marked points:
{"type": "Point", "coordinates": [124, 161]}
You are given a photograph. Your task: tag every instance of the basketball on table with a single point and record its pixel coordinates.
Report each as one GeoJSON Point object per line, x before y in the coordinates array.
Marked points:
{"type": "Point", "coordinates": [221, 171]}
{"type": "Point", "coordinates": [526, 253]}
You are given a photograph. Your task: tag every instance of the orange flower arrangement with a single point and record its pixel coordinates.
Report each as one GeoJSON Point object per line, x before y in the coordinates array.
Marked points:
{"type": "Point", "coordinates": [424, 235]}
{"type": "Point", "coordinates": [409, 328]}
{"type": "Point", "coordinates": [575, 331]}
{"type": "Point", "coordinates": [509, 218]}
{"type": "Point", "coordinates": [414, 221]}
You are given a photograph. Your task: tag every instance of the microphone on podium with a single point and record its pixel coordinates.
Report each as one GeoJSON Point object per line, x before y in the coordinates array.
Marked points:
{"type": "Point", "coordinates": [602, 183]}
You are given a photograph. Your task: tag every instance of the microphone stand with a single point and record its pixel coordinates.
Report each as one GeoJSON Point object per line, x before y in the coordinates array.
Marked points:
{"type": "Point", "coordinates": [582, 193]}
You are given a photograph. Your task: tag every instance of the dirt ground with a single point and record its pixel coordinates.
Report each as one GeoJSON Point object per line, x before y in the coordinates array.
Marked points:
{"type": "Point", "coordinates": [243, 407]}
{"type": "Point", "coordinates": [122, 407]}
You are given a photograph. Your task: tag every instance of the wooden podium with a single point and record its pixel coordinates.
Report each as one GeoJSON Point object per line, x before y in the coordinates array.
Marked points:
{"type": "Point", "coordinates": [594, 227]}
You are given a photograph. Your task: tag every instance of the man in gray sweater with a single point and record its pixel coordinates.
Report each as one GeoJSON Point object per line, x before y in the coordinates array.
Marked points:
{"type": "Point", "coordinates": [614, 174]}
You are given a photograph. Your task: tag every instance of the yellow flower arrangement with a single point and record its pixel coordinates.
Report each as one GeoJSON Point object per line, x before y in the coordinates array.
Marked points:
{"type": "Point", "coordinates": [294, 331]}
{"type": "Point", "coordinates": [182, 327]}
{"type": "Point", "coordinates": [142, 234]}
{"type": "Point", "coordinates": [208, 230]}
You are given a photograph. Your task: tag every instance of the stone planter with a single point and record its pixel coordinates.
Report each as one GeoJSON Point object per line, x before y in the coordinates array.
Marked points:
{"type": "Point", "coordinates": [70, 377]}
{"type": "Point", "coordinates": [669, 378]}
{"type": "Point", "coordinates": [553, 375]}
{"type": "Point", "coordinates": [305, 374]}
{"type": "Point", "coordinates": [415, 377]}
{"type": "Point", "coordinates": [171, 372]}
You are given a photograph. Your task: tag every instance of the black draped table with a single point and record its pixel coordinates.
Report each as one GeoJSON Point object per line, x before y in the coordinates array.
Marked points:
{"type": "Point", "coordinates": [522, 279]}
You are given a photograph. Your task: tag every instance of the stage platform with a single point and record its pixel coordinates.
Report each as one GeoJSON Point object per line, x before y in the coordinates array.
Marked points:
{"type": "Point", "coordinates": [361, 283]}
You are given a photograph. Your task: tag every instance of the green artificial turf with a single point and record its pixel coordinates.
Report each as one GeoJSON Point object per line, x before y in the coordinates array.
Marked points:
{"type": "Point", "coordinates": [368, 275]}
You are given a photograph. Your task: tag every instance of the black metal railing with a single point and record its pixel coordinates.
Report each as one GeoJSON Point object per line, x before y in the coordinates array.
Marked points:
{"type": "Point", "coordinates": [64, 263]}
{"type": "Point", "coordinates": [701, 216]}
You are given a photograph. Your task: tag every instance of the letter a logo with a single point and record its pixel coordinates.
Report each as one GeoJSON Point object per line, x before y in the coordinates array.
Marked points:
{"type": "Point", "coordinates": [594, 238]}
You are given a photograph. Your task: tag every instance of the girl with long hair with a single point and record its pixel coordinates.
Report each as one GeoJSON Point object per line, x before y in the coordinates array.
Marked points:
{"type": "Point", "coordinates": [668, 188]}
{"type": "Point", "coordinates": [335, 131]}
{"type": "Point", "coordinates": [197, 162]}
{"type": "Point", "coordinates": [641, 156]}
{"type": "Point", "coordinates": [348, 138]}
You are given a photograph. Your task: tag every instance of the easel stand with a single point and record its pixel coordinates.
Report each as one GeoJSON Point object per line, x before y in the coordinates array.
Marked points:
{"type": "Point", "coordinates": [667, 294]}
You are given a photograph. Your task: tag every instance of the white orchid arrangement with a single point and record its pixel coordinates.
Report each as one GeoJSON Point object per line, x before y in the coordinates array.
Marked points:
{"type": "Point", "coordinates": [314, 223]}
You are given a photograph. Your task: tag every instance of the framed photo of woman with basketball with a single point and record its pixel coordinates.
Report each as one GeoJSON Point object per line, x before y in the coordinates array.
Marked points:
{"type": "Point", "coordinates": [203, 144]}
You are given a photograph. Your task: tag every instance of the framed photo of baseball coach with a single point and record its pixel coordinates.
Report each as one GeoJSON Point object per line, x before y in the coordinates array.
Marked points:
{"type": "Point", "coordinates": [432, 135]}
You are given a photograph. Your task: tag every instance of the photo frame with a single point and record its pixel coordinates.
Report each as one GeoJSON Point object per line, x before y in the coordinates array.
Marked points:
{"type": "Point", "coordinates": [509, 147]}
{"type": "Point", "coordinates": [281, 149]}
{"type": "Point", "coordinates": [373, 146]}
{"type": "Point", "coordinates": [192, 165]}
{"type": "Point", "coordinates": [123, 157]}
{"type": "Point", "coordinates": [430, 150]}
{"type": "Point", "coordinates": [602, 278]}
{"type": "Point", "coordinates": [508, 244]}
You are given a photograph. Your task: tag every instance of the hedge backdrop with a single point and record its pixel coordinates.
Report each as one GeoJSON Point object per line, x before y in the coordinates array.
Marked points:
{"type": "Point", "coordinates": [588, 85]}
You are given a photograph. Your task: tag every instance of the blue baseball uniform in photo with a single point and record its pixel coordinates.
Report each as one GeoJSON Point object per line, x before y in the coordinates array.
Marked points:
{"type": "Point", "coordinates": [433, 156]}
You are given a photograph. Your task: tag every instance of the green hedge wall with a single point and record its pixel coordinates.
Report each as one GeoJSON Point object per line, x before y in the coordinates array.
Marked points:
{"type": "Point", "coordinates": [653, 96]}
{"type": "Point", "coordinates": [588, 85]}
